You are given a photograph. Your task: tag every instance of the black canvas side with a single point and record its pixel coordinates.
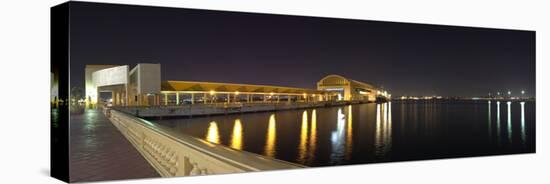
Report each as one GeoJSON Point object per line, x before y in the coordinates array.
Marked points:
{"type": "Point", "coordinates": [59, 121]}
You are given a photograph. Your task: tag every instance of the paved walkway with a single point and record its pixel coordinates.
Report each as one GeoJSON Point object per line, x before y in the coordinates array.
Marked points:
{"type": "Point", "coordinates": [98, 151]}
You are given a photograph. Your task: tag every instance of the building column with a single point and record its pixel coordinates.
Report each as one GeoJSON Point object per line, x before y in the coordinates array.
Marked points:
{"type": "Point", "coordinates": [248, 98]}
{"type": "Point", "coordinates": [165, 98]}
{"type": "Point", "coordinates": [117, 98]}
{"type": "Point", "coordinates": [192, 98]}
{"type": "Point", "coordinates": [177, 98]}
{"type": "Point", "coordinates": [228, 98]}
{"type": "Point", "coordinates": [289, 98]}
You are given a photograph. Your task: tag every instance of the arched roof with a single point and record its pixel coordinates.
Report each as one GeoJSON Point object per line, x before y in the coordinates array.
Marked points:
{"type": "Point", "coordinates": [333, 80]}
{"type": "Point", "coordinates": [340, 80]}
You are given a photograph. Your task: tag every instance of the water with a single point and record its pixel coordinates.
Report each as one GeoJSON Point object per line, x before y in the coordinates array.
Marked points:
{"type": "Point", "coordinates": [369, 133]}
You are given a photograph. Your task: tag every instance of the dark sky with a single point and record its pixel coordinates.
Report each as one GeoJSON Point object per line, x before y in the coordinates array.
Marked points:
{"type": "Point", "coordinates": [201, 45]}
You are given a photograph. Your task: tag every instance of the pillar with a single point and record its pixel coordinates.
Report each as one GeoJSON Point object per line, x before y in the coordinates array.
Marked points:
{"type": "Point", "coordinates": [177, 98]}
{"type": "Point", "coordinates": [289, 98]}
{"type": "Point", "coordinates": [248, 98]}
{"type": "Point", "coordinates": [117, 98]}
{"type": "Point", "coordinates": [192, 98]}
{"type": "Point", "coordinates": [278, 97]}
{"type": "Point", "coordinates": [228, 98]}
{"type": "Point", "coordinates": [165, 98]}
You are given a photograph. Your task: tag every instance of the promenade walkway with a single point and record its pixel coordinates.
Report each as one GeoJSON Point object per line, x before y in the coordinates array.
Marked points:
{"type": "Point", "coordinates": [98, 151]}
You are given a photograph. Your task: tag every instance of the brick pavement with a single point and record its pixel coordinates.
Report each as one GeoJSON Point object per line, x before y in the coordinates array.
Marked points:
{"type": "Point", "coordinates": [98, 151]}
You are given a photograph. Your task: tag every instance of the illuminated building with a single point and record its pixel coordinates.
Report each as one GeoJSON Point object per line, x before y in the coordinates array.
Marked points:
{"type": "Point", "coordinates": [142, 86]}
{"type": "Point", "coordinates": [349, 89]}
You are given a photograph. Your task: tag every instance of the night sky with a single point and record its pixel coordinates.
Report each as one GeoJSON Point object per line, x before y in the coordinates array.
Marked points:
{"type": "Point", "coordinates": [216, 46]}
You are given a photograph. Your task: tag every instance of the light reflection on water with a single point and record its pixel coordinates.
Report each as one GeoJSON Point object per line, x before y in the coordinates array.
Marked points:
{"type": "Point", "coordinates": [237, 136]}
{"type": "Point", "coordinates": [489, 120]}
{"type": "Point", "coordinates": [523, 122]}
{"type": "Point", "coordinates": [271, 136]}
{"type": "Point", "coordinates": [212, 134]}
{"type": "Point", "coordinates": [509, 125]}
{"type": "Point", "coordinates": [498, 121]}
{"type": "Point", "coordinates": [365, 133]}
{"type": "Point", "coordinates": [303, 139]}
{"type": "Point", "coordinates": [312, 136]}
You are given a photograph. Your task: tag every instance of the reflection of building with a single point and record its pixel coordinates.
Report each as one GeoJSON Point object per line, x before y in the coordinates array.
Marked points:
{"type": "Point", "coordinates": [142, 86]}
{"type": "Point", "coordinates": [349, 89]}
{"type": "Point", "coordinates": [53, 89]}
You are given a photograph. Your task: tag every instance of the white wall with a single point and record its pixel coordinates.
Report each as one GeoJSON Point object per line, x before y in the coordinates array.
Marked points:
{"type": "Point", "coordinates": [111, 76]}
{"type": "Point", "coordinates": [148, 78]}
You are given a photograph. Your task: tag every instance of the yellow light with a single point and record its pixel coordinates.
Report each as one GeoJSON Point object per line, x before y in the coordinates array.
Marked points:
{"type": "Point", "coordinates": [236, 92]}
{"type": "Point", "coordinates": [271, 135]}
{"type": "Point", "coordinates": [349, 132]}
{"type": "Point", "coordinates": [313, 134]}
{"type": "Point", "coordinates": [271, 94]}
{"type": "Point", "coordinates": [237, 136]}
{"type": "Point", "coordinates": [303, 138]}
{"type": "Point", "coordinates": [378, 132]}
{"type": "Point", "coordinates": [212, 92]}
{"type": "Point", "coordinates": [212, 134]}
{"type": "Point", "coordinates": [305, 94]}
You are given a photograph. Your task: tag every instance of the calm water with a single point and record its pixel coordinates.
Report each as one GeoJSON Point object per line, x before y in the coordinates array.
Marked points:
{"type": "Point", "coordinates": [368, 133]}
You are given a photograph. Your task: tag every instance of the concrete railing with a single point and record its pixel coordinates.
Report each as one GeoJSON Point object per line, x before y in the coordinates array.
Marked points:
{"type": "Point", "coordinates": [174, 154]}
{"type": "Point", "coordinates": [221, 108]}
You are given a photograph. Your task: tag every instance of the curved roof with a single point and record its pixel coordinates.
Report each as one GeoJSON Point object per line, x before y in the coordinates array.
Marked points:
{"type": "Point", "coordinates": [340, 80]}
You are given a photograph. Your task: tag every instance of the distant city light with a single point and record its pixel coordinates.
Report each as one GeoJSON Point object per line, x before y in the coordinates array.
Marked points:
{"type": "Point", "coordinates": [522, 92]}
{"type": "Point", "coordinates": [212, 92]}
